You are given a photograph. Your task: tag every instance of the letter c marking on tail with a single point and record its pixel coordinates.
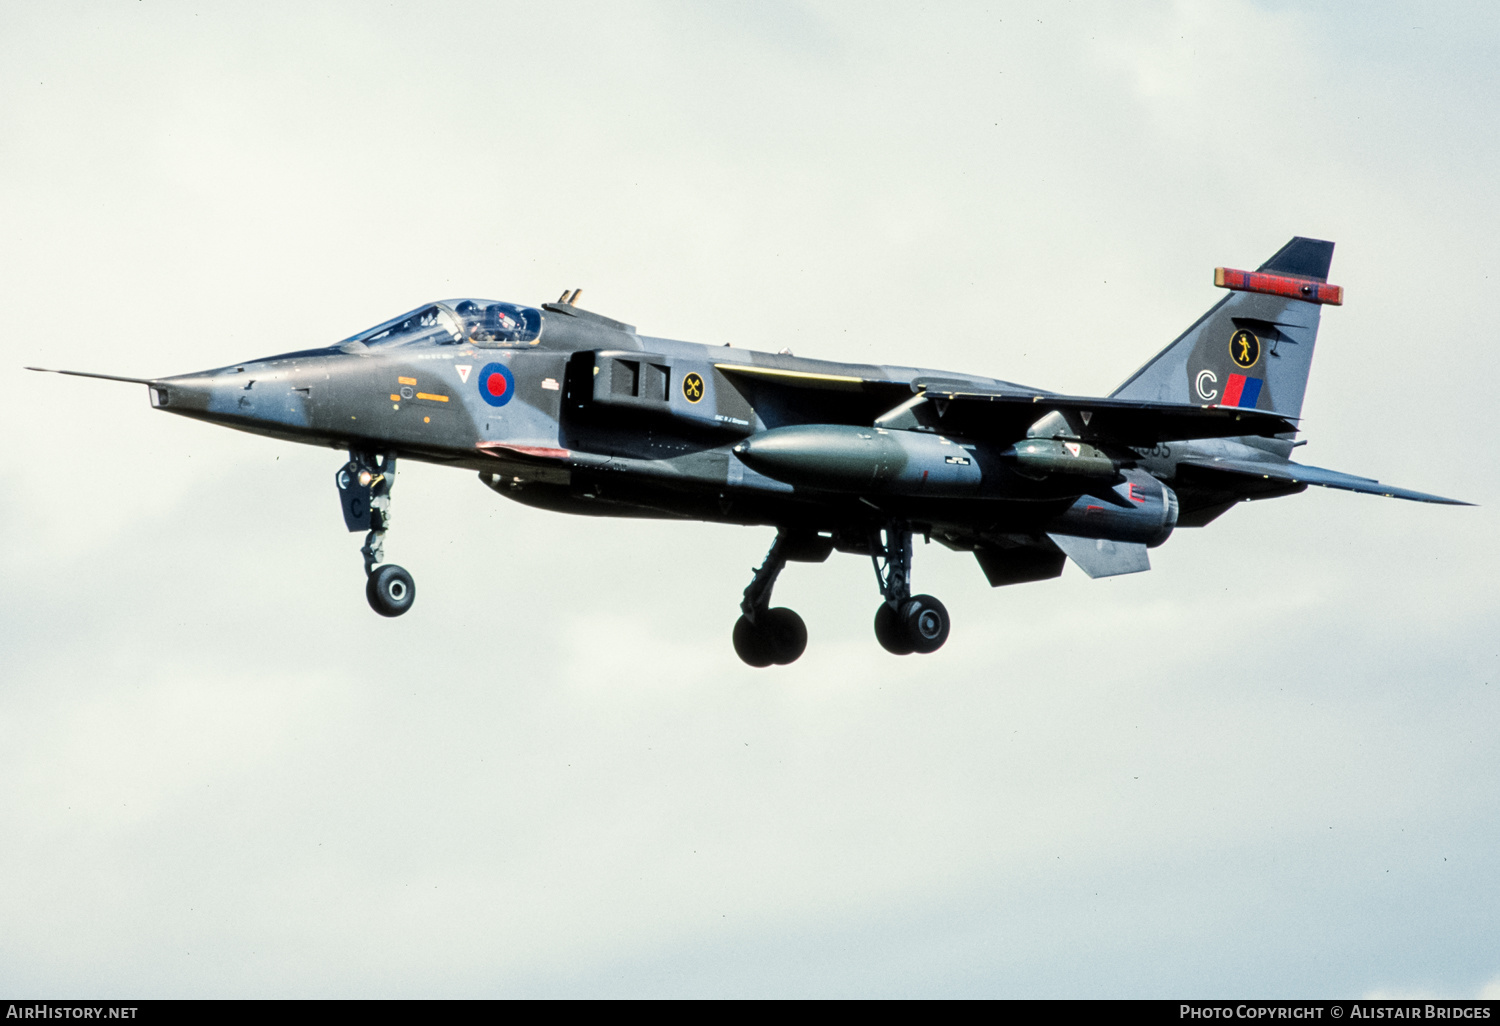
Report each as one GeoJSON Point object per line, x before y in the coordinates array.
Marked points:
{"type": "Point", "coordinates": [1206, 378]}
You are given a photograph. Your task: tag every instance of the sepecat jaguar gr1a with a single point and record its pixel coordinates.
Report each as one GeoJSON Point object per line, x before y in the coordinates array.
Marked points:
{"type": "Point", "coordinates": [566, 410]}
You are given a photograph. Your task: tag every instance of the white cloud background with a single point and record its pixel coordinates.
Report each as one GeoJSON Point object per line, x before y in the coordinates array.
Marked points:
{"type": "Point", "coordinates": [1268, 767]}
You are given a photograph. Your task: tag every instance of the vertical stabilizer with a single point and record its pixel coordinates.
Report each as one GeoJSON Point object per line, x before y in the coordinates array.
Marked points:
{"type": "Point", "coordinates": [1254, 347]}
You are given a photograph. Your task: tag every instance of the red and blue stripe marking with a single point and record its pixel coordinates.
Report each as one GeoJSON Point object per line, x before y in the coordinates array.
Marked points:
{"type": "Point", "coordinates": [1242, 391]}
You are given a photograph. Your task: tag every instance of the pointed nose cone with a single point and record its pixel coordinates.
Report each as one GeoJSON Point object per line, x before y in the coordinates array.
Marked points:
{"type": "Point", "coordinates": [252, 396]}
{"type": "Point", "coordinates": [188, 394]}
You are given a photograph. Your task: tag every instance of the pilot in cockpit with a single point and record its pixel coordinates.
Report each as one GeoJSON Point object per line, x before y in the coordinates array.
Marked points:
{"type": "Point", "coordinates": [481, 322]}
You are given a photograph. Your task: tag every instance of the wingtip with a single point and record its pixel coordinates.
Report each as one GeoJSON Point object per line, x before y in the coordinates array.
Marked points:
{"type": "Point", "coordinates": [1439, 500]}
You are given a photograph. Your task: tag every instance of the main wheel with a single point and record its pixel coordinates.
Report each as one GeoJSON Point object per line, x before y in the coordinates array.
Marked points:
{"type": "Point", "coordinates": [752, 645]}
{"type": "Point", "coordinates": [889, 633]}
{"type": "Point", "coordinates": [390, 590]}
{"type": "Point", "coordinates": [925, 623]}
{"type": "Point", "coordinates": [787, 634]}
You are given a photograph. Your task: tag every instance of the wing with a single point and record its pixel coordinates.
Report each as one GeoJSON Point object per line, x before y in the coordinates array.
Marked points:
{"type": "Point", "coordinates": [1003, 414]}
{"type": "Point", "coordinates": [1296, 473]}
{"type": "Point", "coordinates": [1006, 416]}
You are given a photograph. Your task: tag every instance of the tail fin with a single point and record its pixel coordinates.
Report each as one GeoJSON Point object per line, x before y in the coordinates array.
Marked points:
{"type": "Point", "coordinates": [1255, 346]}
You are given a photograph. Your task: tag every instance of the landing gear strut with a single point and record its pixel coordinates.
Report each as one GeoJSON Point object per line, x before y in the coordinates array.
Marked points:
{"type": "Point", "coordinates": [904, 623]}
{"type": "Point", "coordinates": [365, 494]}
{"type": "Point", "coordinates": [763, 635]}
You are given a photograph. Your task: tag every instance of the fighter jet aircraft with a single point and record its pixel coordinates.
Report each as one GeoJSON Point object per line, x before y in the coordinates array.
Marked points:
{"type": "Point", "coordinates": [563, 409]}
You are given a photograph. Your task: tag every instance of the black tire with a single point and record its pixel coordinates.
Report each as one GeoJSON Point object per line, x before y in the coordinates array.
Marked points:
{"type": "Point", "coordinates": [786, 633]}
{"type": "Point", "coordinates": [889, 633]}
{"type": "Point", "coordinates": [751, 645]}
{"type": "Point", "coordinates": [925, 623]}
{"type": "Point", "coordinates": [390, 590]}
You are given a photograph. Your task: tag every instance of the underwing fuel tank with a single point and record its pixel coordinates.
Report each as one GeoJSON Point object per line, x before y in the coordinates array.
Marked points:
{"type": "Point", "coordinates": [839, 457]}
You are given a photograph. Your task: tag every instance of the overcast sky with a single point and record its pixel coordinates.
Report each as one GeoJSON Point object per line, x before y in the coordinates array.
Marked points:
{"type": "Point", "coordinates": [1271, 766]}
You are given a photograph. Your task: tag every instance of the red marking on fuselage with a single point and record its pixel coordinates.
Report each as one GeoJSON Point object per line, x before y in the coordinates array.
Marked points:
{"type": "Point", "coordinates": [495, 385]}
{"type": "Point", "coordinates": [541, 452]}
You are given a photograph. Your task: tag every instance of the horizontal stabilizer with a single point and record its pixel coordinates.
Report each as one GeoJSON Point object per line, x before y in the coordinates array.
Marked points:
{"type": "Point", "coordinates": [1296, 473]}
{"type": "Point", "coordinates": [1099, 557]}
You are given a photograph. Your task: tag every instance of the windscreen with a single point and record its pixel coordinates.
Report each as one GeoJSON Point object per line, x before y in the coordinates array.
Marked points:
{"type": "Point", "coordinates": [431, 324]}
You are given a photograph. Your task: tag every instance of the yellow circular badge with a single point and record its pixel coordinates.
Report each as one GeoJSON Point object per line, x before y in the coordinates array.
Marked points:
{"type": "Point", "coordinates": [692, 387]}
{"type": "Point", "coordinates": [1244, 349]}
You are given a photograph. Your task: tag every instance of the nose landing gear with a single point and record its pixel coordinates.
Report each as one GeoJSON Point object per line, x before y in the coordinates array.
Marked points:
{"type": "Point", "coordinates": [365, 494]}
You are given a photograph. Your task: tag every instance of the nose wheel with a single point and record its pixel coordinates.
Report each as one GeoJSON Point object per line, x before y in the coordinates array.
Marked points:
{"type": "Point", "coordinates": [365, 493]}
{"type": "Point", "coordinates": [390, 590]}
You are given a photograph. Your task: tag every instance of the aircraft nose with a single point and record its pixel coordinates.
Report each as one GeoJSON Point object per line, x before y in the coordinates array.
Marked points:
{"type": "Point", "coordinates": [187, 394]}
{"type": "Point", "coordinates": [250, 395]}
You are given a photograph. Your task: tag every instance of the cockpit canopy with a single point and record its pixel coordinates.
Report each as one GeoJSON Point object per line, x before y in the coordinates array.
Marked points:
{"type": "Point", "coordinates": [480, 322]}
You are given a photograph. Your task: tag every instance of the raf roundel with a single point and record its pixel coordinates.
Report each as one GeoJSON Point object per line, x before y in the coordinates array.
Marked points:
{"type": "Point", "coordinates": [496, 384]}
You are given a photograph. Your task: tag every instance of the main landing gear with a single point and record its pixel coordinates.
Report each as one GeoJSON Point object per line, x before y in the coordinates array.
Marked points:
{"type": "Point", "coordinates": [763, 635]}
{"type": "Point", "coordinates": [365, 494]}
{"type": "Point", "coordinates": [904, 623]}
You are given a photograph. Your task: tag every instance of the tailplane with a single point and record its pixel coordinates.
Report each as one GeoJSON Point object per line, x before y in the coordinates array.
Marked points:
{"type": "Point", "coordinates": [1254, 347]}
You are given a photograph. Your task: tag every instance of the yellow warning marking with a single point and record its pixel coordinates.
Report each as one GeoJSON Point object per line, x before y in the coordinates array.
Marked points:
{"type": "Point", "coordinates": [406, 381]}
{"type": "Point", "coordinates": [426, 420]}
{"type": "Point", "coordinates": [434, 398]}
{"type": "Point", "coordinates": [843, 382]}
{"type": "Point", "coordinates": [395, 398]}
